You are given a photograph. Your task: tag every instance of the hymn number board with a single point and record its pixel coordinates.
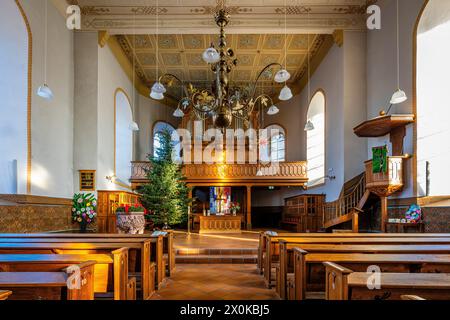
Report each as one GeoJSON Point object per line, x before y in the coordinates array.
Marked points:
{"type": "Point", "coordinates": [87, 180]}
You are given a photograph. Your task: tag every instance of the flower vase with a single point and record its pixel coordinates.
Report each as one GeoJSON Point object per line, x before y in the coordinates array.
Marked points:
{"type": "Point", "coordinates": [234, 212]}
{"type": "Point", "coordinates": [83, 226]}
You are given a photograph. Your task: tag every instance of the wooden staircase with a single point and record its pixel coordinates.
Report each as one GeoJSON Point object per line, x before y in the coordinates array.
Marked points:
{"type": "Point", "coordinates": [349, 205]}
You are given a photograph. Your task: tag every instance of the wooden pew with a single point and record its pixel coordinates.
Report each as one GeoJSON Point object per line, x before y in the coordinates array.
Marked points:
{"type": "Point", "coordinates": [344, 284]}
{"type": "Point", "coordinates": [168, 253]}
{"type": "Point", "coordinates": [410, 297]}
{"type": "Point", "coordinates": [168, 248]}
{"type": "Point", "coordinates": [272, 243]}
{"type": "Point", "coordinates": [50, 285]}
{"type": "Point", "coordinates": [142, 248]}
{"type": "Point", "coordinates": [308, 267]}
{"type": "Point", "coordinates": [156, 244]}
{"type": "Point", "coordinates": [110, 270]}
{"type": "Point", "coordinates": [286, 261]}
{"type": "Point", "coordinates": [4, 294]}
{"type": "Point", "coordinates": [277, 236]}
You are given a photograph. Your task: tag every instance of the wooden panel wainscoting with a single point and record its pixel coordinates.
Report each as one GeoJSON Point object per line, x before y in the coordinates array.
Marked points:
{"type": "Point", "coordinates": [108, 201]}
{"type": "Point", "coordinates": [220, 224]}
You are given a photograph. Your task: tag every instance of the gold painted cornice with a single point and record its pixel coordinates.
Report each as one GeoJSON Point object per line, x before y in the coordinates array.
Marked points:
{"type": "Point", "coordinates": [338, 37]}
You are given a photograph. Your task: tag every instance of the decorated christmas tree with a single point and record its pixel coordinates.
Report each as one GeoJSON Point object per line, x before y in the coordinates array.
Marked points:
{"type": "Point", "coordinates": [166, 195]}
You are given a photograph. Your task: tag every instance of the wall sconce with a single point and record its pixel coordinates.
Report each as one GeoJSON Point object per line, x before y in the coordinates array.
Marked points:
{"type": "Point", "coordinates": [330, 175]}
{"type": "Point", "coordinates": [111, 178]}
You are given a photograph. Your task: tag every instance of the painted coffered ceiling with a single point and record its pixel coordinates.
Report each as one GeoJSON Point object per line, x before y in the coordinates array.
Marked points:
{"type": "Point", "coordinates": [195, 16]}
{"type": "Point", "coordinates": [181, 55]}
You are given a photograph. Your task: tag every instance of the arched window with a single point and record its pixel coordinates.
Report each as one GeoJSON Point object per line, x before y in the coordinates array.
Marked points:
{"type": "Point", "coordinates": [433, 112]}
{"type": "Point", "coordinates": [14, 37]}
{"type": "Point", "coordinates": [159, 127]}
{"type": "Point", "coordinates": [315, 139]}
{"type": "Point", "coordinates": [124, 135]}
{"type": "Point", "coordinates": [274, 149]}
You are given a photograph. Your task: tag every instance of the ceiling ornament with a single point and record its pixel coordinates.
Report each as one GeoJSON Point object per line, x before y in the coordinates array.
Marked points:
{"type": "Point", "coordinates": [224, 101]}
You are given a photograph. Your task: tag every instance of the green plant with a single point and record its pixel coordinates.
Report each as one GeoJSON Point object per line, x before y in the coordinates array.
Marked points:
{"type": "Point", "coordinates": [84, 208]}
{"type": "Point", "coordinates": [166, 196]}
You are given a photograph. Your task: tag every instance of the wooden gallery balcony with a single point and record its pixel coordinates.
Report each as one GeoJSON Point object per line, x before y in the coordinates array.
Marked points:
{"type": "Point", "coordinates": [281, 174]}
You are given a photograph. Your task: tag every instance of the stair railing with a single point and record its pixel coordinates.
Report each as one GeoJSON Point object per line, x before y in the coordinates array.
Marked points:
{"type": "Point", "coordinates": [344, 205]}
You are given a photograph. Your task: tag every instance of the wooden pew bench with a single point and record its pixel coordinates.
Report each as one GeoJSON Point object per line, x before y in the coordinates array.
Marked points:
{"type": "Point", "coordinates": [272, 254]}
{"type": "Point", "coordinates": [4, 294]}
{"type": "Point", "coordinates": [168, 235]}
{"type": "Point", "coordinates": [56, 285]}
{"type": "Point", "coordinates": [142, 268]}
{"type": "Point", "coordinates": [110, 270]}
{"type": "Point", "coordinates": [286, 261]}
{"type": "Point", "coordinates": [309, 273]}
{"type": "Point", "coordinates": [344, 284]}
{"type": "Point", "coordinates": [277, 236]}
{"type": "Point", "coordinates": [156, 244]}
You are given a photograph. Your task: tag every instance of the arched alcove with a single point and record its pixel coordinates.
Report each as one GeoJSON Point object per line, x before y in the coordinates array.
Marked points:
{"type": "Point", "coordinates": [433, 112]}
{"type": "Point", "coordinates": [315, 140]}
{"type": "Point", "coordinates": [14, 61]}
{"type": "Point", "coordinates": [159, 127]}
{"type": "Point", "coordinates": [123, 136]}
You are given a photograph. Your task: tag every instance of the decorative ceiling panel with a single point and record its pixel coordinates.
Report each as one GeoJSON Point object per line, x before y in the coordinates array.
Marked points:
{"type": "Point", "coordinates": [181, 56]}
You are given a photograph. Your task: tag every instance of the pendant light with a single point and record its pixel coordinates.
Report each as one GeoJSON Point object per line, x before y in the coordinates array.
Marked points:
{"type": "Point", "coordinates": [399, 96]}
{"type": "Point", "coordinates": [283, 75]}
{"type": "Point", "coordinates": [158, 88]}
{"type": "Point", "coordinates": [44, 90]}
{"type": "Point", "coordinates": [309, 126]}
{"type": "Point", "coordinates": [133, 125]}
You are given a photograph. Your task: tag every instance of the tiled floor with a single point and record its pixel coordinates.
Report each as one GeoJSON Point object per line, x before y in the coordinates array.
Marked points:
{"type": "Point", "coordinates": [215, 282]}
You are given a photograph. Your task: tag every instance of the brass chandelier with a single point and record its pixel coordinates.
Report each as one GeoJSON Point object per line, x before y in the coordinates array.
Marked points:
{"type": "Point", "coordinates": [223, 101]}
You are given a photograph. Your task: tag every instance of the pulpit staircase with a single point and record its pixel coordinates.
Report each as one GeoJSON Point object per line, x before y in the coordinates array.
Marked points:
{"type": "Point", "coordinates": [349, 205]}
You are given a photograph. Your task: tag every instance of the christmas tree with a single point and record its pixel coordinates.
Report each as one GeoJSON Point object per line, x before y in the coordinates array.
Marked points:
{"type": "Point", "coordinates": [166, 195]}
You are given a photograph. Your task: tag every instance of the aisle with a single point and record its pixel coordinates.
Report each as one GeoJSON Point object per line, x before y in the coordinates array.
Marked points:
{"type": "Point", "coordinates": [215, 282]}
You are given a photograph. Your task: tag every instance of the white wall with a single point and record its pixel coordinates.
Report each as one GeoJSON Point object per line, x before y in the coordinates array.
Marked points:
{"type": "Point", "coordinates": [52, 121]}
{"type": "Point", "coordinates": [382, 71]}
{"type": "Point", "coordinates": [110, 77]}
{"type": "Point", "coordinates": [85, 104]}
{"type": "Point", "coordinates": [13, 105]}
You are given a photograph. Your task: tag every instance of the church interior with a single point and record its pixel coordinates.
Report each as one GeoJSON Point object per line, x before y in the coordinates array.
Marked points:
{"type": "Point", "coordinates": [224, 150]}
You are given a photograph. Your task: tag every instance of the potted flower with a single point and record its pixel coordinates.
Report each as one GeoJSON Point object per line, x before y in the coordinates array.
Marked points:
{"type": "Point", "coordinates": [130, 219]}
{"type": "Point", "coordinates": [235, 207]}
{"type": "Point", "coordinates": [84, 209]}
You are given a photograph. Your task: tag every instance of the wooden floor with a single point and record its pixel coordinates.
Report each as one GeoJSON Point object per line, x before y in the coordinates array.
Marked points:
{"type": "Point", "coordinates": [215, 282]}
{"type": "Point", "coordinates": [227, 241]}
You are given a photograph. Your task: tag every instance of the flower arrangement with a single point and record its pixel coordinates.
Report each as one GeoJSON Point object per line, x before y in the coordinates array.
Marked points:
{"type": "Point", "coordinates": [235, 207]}
{"type": "Point", "coordinates": [128, 209]}
{"type": "Point", "coordinates": [84, 208]}
{"type": "Point", "coordinates": [414, 214]}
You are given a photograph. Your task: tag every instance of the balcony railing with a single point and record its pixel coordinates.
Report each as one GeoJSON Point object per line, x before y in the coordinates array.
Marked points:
{"type": "Point", "coordinates": [282, 173]}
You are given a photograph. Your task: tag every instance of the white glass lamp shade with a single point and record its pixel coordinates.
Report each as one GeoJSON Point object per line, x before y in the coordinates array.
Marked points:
{"type": "Point", "coordinates": [273, 110]}
{"type": "Point", "coordinates": [45, 92]}
{"type": "Point", "coordinates": [178, 113]}
{"type": "Point", "coordinates": [134, 126]}
{"type": "Point", "coordinates": [158, 91]}
{"type": "Point", "coordinates": [399, 96]}
{"type": "Point", "coordinates": [285, 94]}
{"type": "Point", "coordinates": [282, 76]}
{"type": "Point", "coordinates": [309, 126]}
{"type": "Point", "coordinates": [211, 55]}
